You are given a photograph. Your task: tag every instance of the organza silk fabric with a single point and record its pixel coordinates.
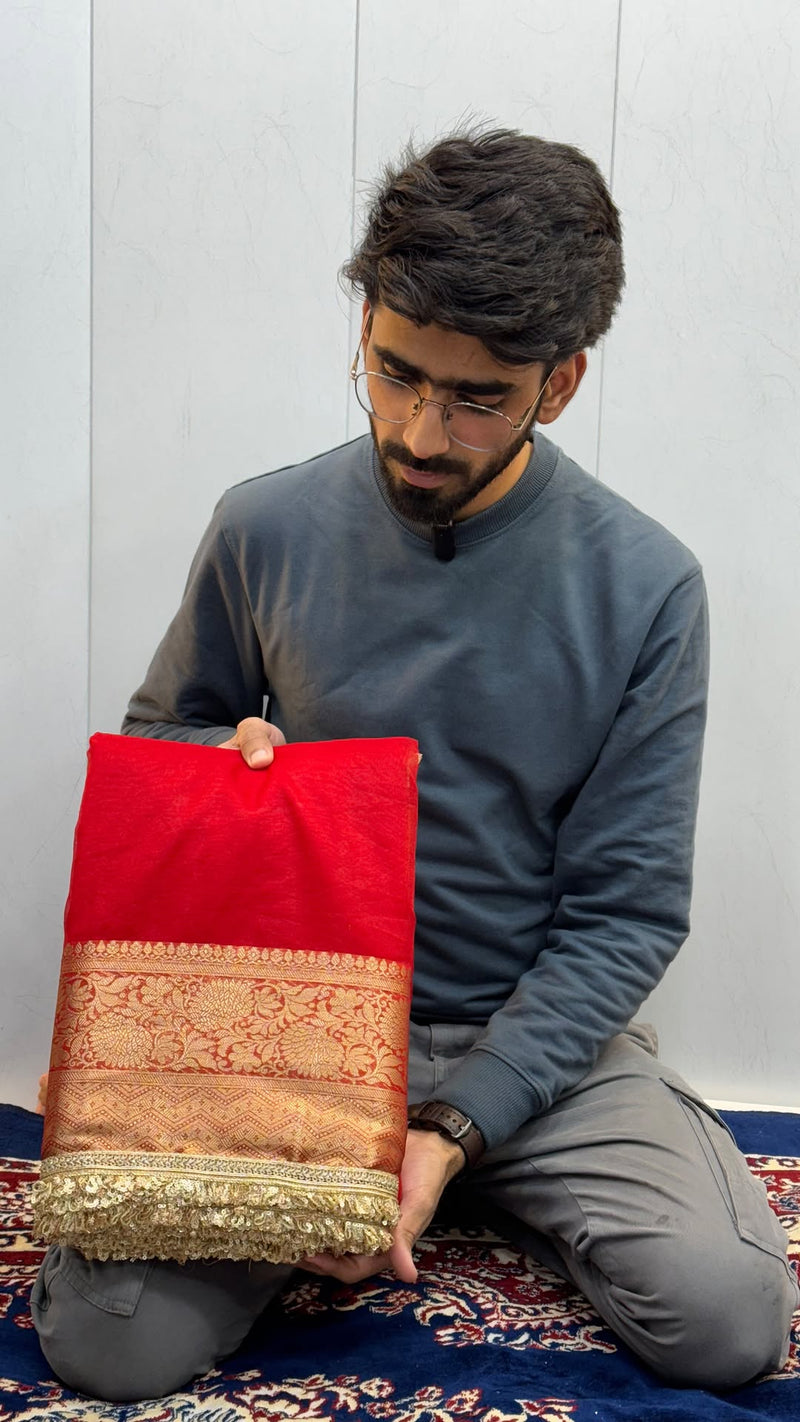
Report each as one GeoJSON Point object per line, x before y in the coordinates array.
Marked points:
{"type": "Point", "coordinates": [228, 1071]}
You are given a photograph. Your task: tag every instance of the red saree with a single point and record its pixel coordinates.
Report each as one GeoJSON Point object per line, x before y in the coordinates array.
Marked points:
{"type": "Point", "coordinates": [228, 1071]}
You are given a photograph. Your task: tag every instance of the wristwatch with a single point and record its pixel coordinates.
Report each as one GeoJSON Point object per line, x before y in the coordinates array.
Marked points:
{"type": "Point", "coordinates": [450, 1123]}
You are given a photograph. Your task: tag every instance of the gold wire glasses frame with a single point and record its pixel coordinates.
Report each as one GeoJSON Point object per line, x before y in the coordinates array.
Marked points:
{"type": "Point", "coordinates": [457, 415]}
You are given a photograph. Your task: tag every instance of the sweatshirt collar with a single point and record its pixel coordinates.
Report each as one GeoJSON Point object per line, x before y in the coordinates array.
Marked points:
{"type": "Point", "coordinates": [498, 516]}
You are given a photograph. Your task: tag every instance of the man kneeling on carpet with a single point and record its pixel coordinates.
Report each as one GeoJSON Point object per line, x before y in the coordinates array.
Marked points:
{"type": "Point", "coordinates": [455, 578]}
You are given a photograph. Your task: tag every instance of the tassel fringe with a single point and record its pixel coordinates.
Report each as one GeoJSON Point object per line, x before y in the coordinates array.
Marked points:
{"type": "Point", "coordinates": [112, 1206]}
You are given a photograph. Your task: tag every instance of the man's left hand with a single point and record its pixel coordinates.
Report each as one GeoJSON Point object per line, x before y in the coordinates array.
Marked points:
{"type": "Point", "coordinates": [430, 1161]}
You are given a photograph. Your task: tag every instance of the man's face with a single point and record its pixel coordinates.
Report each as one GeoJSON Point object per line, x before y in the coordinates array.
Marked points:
{"type": "Point", "coordinates": [428, 476]}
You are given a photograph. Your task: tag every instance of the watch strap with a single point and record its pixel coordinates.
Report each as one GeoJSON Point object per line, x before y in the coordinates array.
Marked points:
{"type": "Point", "coordinates": [450, 1123]}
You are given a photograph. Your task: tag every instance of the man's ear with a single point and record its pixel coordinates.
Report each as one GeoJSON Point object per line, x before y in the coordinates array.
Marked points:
{"type": "Point", "coordinates": [560, 388]}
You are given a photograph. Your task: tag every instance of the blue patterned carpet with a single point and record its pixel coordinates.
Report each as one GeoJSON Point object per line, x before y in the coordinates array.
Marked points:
{"type": "Point", "coordinates": [483, 1336]}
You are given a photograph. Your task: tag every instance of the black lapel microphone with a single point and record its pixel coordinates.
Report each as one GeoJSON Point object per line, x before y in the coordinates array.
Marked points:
{"type": "Point", "coordinates": [444, 542]}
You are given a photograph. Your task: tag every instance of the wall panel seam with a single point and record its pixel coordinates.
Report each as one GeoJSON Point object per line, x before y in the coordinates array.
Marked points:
{"type": "Point", "coordinates": [354, 160]}
{"type": "Point", "coordinates": [90, 544]}
{"type": "Point", "coordinates": [614, 111]}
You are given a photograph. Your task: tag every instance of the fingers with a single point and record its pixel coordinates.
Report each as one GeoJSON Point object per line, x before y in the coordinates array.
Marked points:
{"type": "Point", "coordinates": [347, 1268]}
{"type": "Point", "coordinates": [255, 744]}
{"type": "Point", "coordinates": [402, 1260]}
{"type": "Point", "coordinates": [42, 1099]}
{"type": "Point", "coordinates": [255, 739]}
{"type": "Point", "coordinates": [352, 1268]}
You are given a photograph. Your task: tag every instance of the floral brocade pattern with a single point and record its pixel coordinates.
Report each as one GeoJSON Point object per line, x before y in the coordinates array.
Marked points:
{"type": "Point", "coordinates": [327, 1016]}
{"type": "Point", "coordinates": [232, 1046]}
{"type": "Point", "coordinates": [319, 1030]}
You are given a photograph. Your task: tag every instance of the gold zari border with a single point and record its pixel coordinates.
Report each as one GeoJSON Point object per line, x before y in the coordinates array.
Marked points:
{"type": "Point", "coordinates": [110, 1205]}
{"type": "Point", "coordinates": [302, 964]}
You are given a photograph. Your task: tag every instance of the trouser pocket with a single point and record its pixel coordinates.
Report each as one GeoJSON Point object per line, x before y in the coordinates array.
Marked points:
{"type": "Point", "coordinates": [114, 1287]}
{"type": "Point", "coordinates": [744, 1194]}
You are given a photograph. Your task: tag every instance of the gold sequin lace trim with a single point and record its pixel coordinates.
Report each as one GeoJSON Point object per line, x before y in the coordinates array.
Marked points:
{"type": "Point", "coordinates": [110, 1205]}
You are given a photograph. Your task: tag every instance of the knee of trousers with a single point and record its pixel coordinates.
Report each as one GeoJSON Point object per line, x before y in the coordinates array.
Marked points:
{"type": "Point", "coordinates": [724, 1325]}
{"type": "Point", "coordinates": [109, 1342]}
{"type": "Point", "coordinates": [103, 1357]}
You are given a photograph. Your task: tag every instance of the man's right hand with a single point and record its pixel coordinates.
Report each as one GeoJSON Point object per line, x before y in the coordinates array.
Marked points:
{"type": "Point", "coordinates": [255, 739]}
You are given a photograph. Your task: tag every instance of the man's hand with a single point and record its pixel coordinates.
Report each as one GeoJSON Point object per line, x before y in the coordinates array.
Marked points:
{"type": "Point", "coordinates": [429, 1163]}
{"type": "Point", "coordinates": [42, 1101]}
{"type": "Point", "coordinates": [255, 739]}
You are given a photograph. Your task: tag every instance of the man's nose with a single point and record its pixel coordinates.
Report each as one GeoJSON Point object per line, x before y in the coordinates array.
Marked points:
{"type": "Point", "coordinates": [427, 434]}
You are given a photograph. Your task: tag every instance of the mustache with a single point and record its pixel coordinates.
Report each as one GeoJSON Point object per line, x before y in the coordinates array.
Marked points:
{"type": "Point", "coordinates": [439, 464]}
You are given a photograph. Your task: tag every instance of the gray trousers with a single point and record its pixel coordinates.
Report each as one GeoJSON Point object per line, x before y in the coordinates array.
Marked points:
{"type": "Point", "coordinates": [630, 1187]}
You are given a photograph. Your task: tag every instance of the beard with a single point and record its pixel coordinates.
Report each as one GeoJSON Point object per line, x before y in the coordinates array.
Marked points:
{"type": "Point", "coordinates": [439, 506]}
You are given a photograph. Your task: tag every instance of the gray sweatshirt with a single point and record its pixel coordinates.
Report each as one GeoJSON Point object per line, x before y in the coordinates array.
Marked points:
{"type": "Point", "coordinates": [554, 674]}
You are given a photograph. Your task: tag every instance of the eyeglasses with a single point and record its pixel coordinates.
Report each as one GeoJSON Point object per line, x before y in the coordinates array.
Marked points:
{"type": "Point", "coordinates": [473, 426]}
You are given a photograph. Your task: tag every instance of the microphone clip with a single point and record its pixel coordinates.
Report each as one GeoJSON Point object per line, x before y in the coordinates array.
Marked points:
{"type": "Point", "coordinates": [444, 542]}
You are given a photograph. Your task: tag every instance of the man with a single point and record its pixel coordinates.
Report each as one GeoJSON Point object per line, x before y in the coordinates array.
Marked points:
{"type": "Point", "coordinates": [457, 579]}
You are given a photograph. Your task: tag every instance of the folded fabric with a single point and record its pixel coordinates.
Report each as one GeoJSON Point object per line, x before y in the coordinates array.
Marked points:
{"type": "Point", "coordinates": [228, 1072]}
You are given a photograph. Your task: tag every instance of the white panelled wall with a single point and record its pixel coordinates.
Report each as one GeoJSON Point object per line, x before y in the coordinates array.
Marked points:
{"type": "Point", "coordinates": [44, 475]}
{"type": "Point", "coordinates": [223, 141]}
{"type": "Point", "coordinates": [232, 146]}
{"type": "Point", "coordinates": [701, 427]}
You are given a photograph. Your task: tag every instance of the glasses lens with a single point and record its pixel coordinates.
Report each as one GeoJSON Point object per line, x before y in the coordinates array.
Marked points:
{"type": "Point", "coordinates": [476, 427]}
{"type": "Point", "coordinates": [390, 400]}
{"type": "Point", "coordinates": [397, 403]}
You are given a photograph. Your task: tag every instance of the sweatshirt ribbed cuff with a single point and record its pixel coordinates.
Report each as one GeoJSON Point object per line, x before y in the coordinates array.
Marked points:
{"type": "Point", "coordinates": [493, 1095]}
{"type": "Point", "coordinates": [177, 731]}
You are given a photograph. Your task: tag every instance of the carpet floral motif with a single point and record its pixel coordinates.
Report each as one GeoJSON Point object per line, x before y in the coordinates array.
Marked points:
{"type": "Point", "coordinates": [483, 1337]}
{"type": "Point", "coordinates": [481, 1292]}
{"type": "Point", "coordinates": [20, 1257]}
{"type": "Point", "coordinates": [316, 1398]}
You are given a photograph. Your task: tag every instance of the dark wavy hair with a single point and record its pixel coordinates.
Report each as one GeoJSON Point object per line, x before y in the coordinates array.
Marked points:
{"type": "Point", "coordinates": [498, 235]}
